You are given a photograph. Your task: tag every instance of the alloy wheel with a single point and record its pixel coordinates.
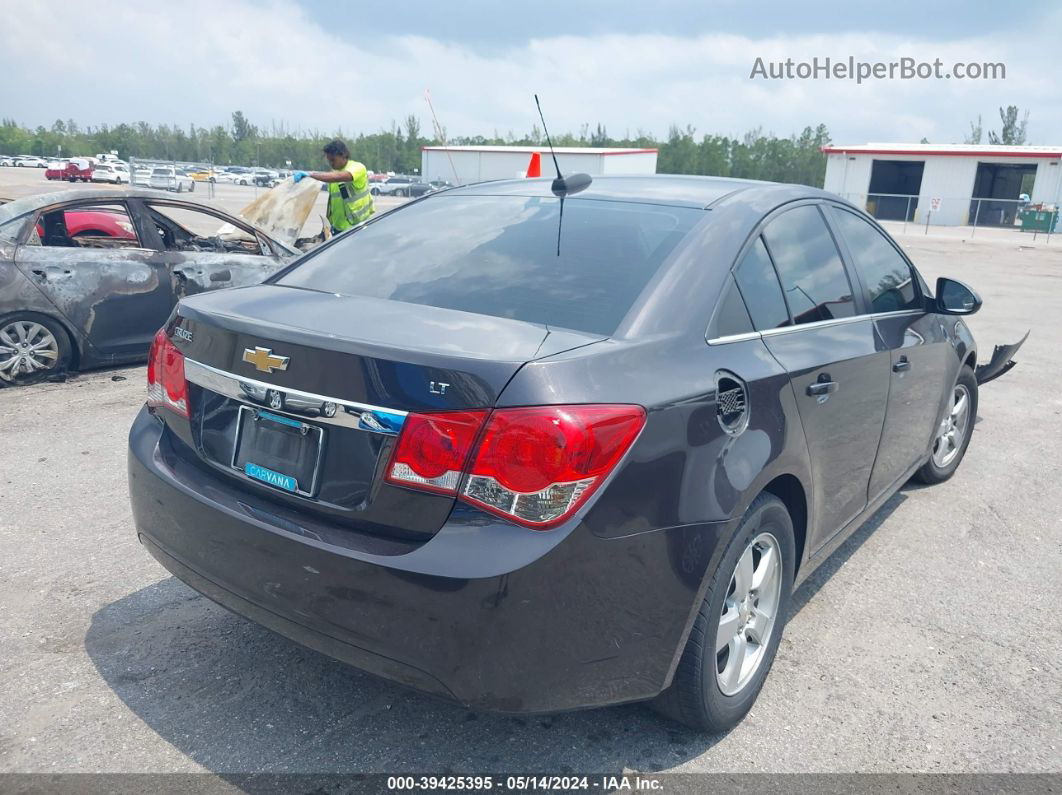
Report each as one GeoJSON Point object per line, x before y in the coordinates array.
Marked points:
{"type": "Point", "coordinates": [749, 613]}
{"type": "Point", "coordinates": [26, 347]}
{"type": "Point", "coordinates": [953, 428]}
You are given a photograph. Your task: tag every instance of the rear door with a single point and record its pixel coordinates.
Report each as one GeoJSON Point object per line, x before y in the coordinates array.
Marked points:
{"type": "Point", "coordinates": [921, 360]}
{"type": "Point", "coordinates": [206, 251]}
{"type": "Point", "coordinates": [112, 288]}
{"type": "Point", "coordinates": [837, 367]}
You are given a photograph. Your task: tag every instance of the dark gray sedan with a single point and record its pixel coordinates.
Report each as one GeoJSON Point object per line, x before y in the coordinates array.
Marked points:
{"type": "Point", "coordinates": [88, 276]}
{"type": "Point", "coordinates": [533, 449]}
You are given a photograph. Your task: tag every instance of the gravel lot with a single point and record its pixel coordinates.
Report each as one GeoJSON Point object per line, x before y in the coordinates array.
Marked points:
{"type": "Point", "coordinates": [930, 641]}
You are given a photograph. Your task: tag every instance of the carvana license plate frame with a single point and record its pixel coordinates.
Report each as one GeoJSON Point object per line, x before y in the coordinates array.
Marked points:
{"type": "Point", "coordinates": [279, 419]}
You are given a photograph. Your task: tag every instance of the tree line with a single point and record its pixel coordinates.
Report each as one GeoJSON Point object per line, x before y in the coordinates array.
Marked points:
{"type": "Point", "coordinates": [756, 155]}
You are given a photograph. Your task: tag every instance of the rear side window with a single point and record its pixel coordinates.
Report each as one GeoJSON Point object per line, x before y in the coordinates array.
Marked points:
{"type": "Point", "coordinates": [86, 226]}
{"type": "Point", "coordinates": [10, 230]}
{"type": "Point", "coordinates": [886, 274]}
{"type": "Point", "coordinates": [759, 287]}
{"type": "Point", "coordinates": [730, 316]}
{"type": "Point", "coordinates": [506, 256]}
{"type": "Point", "coordinates": [809, 265]}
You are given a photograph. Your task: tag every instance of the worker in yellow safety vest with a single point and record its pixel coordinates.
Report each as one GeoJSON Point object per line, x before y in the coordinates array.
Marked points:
{"type": "Point", "coordinates": [349, 200]}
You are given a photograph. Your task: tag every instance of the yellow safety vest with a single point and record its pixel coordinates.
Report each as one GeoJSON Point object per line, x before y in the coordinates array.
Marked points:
{"type": "Point", "coordinates": [350, 203]}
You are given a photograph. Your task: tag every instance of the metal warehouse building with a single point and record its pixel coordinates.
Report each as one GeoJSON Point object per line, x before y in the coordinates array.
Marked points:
{"type": "Point", "coordinates": [954, 184]}
{"type": "Point", "coordinates": [463, 164]}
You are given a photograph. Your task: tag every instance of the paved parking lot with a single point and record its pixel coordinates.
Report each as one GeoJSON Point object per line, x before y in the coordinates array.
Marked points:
{"type": "Point", "coordinates": [930, 642]}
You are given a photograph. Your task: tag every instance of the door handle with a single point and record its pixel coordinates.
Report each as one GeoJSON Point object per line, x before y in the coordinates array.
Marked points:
{"type": "Point", "coordinates": [824, 386]}
{"type": "Point", "coordinates": [901, 366]}
{"type": "Point", "coordinates": [51, 274]}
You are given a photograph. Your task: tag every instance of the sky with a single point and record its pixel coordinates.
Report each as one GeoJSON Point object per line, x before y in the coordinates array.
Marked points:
{"type": "Point", "coordinates": [359, 66]}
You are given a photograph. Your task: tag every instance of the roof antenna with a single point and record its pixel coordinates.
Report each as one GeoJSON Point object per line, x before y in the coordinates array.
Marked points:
{"type": "Point", "coordinates": [440, 133]}
{"type": "Point", "coordinates": [562, 186]}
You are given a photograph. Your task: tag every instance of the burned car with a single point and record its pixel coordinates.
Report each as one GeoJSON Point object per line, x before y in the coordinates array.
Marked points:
{"type": "Point", "coordinates": [87, 277]}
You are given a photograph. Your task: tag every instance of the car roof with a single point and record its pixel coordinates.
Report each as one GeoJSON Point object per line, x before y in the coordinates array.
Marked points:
{"type": "Point", "coordinates": [37, 201]}
{"type": "Point", "coordinates": [678, 190]}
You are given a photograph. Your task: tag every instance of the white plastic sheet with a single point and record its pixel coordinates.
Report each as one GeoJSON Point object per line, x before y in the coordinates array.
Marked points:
{"type": "Point", "coordinates": [282, 212]}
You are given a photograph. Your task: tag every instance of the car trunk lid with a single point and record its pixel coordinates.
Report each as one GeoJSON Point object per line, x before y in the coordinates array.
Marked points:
{"type": "Point", "coordinates": [315, 386]}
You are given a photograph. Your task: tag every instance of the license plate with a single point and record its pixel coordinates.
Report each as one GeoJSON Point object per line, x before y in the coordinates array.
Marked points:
{"type": "Point", "coordinates": [278, 451]}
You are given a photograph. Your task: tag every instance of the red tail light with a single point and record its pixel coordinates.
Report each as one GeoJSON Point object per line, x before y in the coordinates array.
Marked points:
{"type": "Point", "coordinates": [165, 376]}
{"type": "Point", "coordinates": [432, 450]}
{"type": "Point", "coordinates": [533, 465]}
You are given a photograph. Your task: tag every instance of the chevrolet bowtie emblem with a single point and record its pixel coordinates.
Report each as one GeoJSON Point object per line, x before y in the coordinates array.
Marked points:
{"type": "Point", "coordinates": [264, 360]}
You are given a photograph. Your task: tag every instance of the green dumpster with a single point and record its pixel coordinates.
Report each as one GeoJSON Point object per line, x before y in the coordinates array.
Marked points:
{"type": "Point", "coordinates": [1038, 220]}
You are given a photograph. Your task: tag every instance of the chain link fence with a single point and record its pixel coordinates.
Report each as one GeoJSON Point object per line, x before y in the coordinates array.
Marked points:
{"type": "Point", "coordinates": [946, 215]}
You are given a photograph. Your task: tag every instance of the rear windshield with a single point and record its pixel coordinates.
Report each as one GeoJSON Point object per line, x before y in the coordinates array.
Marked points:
{"type": "Point", "coordinates": [501, 256]}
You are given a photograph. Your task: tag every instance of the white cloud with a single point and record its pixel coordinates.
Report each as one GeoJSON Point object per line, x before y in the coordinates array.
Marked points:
{"type": "Point", "coordinates": [196, 61]}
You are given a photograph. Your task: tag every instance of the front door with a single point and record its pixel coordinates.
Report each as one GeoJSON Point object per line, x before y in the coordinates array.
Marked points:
{"type": "Point", "coordinates": [88, 261]}
{"type": "Point", "coordinates": [921, 362]}
{"type": "Point", "coordinates": [204, 251]}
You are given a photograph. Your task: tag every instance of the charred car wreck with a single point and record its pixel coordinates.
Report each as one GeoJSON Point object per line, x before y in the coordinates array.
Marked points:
{"type": "Point", "coordinates": [87, 277]}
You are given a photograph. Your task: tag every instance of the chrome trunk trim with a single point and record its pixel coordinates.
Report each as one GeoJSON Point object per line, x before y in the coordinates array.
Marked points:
{"type": "Point", "coordinates": [302, 405]}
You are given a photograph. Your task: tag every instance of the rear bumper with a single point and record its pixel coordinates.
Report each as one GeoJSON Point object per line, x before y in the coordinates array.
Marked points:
{"type": "Point", "coordinates": [558, 621]}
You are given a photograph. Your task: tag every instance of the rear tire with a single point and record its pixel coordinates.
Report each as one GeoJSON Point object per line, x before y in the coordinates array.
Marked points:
{"type": "Point", "coordinates": [47, 350]}
{"type": "Point", "coordinates": [953, 432]}
{"type": "Point", "coordinates": [696, 696]}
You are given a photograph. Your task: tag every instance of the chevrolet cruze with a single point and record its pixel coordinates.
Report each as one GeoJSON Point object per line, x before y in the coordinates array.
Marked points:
{"type": "Point", "coordinates": [534, 446]}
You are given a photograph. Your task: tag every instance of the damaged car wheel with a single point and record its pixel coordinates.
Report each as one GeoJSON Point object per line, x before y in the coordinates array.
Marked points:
{"type": "Point", "coordinates": [32, 348]}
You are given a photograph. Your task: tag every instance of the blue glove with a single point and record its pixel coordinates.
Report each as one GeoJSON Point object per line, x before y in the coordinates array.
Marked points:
{"type": "Point", "coordinates": [299, 175]}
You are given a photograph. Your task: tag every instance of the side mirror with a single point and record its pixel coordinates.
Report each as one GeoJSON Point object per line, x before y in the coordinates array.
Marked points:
{"type": "Point", "coordinates": [955, 298]}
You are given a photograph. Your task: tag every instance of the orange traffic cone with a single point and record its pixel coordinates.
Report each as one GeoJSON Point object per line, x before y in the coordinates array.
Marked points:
{"type": "Point", "coordinates": [534, 168]}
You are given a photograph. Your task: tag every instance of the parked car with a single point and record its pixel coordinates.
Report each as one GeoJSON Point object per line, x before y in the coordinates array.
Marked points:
{"type": "Point", "coordinates": [110, 172]}
{"type": "Point", "coordinates": [265, 178]}
{"type": "Point", "coordinates": [418, 188]}
{"type": "Point", "coordinates": [88, 276]}
{"type": "Point", "coordinates": [76, 169]}
{"type": "Point", "coordinates": [531, 462]}
{"type": "Point", "coordinates": [397, 185]}
{"type": "Point", "coordinates": [240, 175]}
{"type": "Point", "coordinates": [164, 178]}
{"type": "Point", "coordinates": [7, 160]}
{"type": "Point", "coordinates": [31, 161]}
{"type": "Point", "coordinates": [141, 176]}
{"type": "Point", "coordinates": [440, 184]}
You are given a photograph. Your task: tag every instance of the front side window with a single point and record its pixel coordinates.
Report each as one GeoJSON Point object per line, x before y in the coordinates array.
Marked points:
{"type": "Point", "coordinates": [886, 274]}
{"type": "Point", "coordinates": [506, 256]}
{"type": "Point", "coordinates": [185, 229]}
{"type": "Point", "coordinates": [809, 265]}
